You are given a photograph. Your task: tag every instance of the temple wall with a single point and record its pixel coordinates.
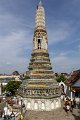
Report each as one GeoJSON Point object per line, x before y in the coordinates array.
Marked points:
{"type": "Point", "coordinates": [42, 104]}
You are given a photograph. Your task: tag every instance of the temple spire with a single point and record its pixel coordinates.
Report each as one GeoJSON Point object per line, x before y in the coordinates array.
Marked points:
{"type": "Point", "coordinates": [40, 17]}
{"type": "Point", "coordinates": [40, 3]}
{"type": "Point", "coordinates": [40, 41]}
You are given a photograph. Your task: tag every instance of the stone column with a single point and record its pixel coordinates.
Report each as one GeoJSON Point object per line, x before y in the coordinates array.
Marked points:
{"type": "Point", "coordinates": [71, 95]}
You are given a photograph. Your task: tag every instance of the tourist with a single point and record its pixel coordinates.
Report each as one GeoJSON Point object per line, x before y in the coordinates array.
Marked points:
{"type": "Point", "coordinates": [1, 118]}
{"type": "Point", "coordinates": [74, 103]}
{"type": "Point", "coordinates": [12, 116]}
{"type": "Point", "coordinates": [67, 106]}
{"type": "Point", "coordinates": [21, 117]}
{"type": "Point", "coordinates": [71, 106]}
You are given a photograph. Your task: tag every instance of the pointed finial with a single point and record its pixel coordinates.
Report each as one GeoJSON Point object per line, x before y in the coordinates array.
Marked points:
{"type": "Point", "coordinates": [40, 3]}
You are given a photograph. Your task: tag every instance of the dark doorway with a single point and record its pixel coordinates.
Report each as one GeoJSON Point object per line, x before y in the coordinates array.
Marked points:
{"type": "Point", "coordinates": [39, 44]}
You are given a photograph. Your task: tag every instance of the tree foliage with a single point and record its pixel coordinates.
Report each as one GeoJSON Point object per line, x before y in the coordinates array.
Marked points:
{"type": "Point", "coordinates": [15, 73]}
{"type": "Point", "coordinates": [3, 87]}
{"type": "Point", "coordinates": [12, 86]}
{"type": "Point", "coordinates": [26, 77]}
{"type": "Point", "coordinates": [61, 78]}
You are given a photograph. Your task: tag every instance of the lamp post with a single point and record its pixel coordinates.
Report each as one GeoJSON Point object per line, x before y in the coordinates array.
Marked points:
{"type": "Point", "coordinates": [5, 111]}
{"type": "Point", "coordinates": [21, 106]}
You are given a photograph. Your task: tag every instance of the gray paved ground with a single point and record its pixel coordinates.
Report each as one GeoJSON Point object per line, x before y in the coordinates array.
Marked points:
{"type": "Point", "coordinates": [2, 105]}
{"type": "Point", "coordinates": [59, 114]}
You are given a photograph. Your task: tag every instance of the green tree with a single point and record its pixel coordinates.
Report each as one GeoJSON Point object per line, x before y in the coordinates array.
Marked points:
{"type": "Point", "coordinates": [15, 73]}
{"type": "Point", "coordinates": [26, 77]}
{"type": "Point", "coordinates": [12, 86]}
{"type": "Point", "coordinates": [61, 78]}
{"type": "Point", "coordinates": [3, 87]}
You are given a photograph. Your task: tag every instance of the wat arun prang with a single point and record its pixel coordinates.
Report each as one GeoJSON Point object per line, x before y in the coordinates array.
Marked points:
{"type": "Point", "coordinates": [40, 91]}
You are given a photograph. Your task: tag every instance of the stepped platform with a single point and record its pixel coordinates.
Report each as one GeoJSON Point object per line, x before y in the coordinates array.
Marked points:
{"type": "Point", "coordinates": [58, 114]}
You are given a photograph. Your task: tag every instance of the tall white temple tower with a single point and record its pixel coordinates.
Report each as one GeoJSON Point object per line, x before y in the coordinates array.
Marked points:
{"type": "Point", "coordinates": [40, 41]}
{"type": "Point", "coordinates": [40, 91]}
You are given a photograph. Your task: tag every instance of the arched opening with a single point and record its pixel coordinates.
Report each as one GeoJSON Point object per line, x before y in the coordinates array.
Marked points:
{"type": "Point", "coordinates": [43, 106]}
{"type": "Point", "coordinates": [57, 104]}
{"type": "Point", "coordinates": [28, 105]}
{"type": "Point", "coordinates": [52, 105]}
{"type": "Point", "coordinates": [62, 89]}
{"type": "Point", "coordinates": [39, 44]}
{"type": "Point", "coordinates": [35, 105]}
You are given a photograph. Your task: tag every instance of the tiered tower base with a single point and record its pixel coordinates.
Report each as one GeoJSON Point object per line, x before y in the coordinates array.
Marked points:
{"type": "Point", "coordinates": [42, 104]}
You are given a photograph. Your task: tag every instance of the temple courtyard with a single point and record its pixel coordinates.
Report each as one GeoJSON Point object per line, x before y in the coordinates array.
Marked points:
{"type": "Point", "coordinates": [58, 114]}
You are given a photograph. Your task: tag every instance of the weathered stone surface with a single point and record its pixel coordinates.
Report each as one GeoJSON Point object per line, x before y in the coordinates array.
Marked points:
{"type": "Point", "coordinates": [58, 114]}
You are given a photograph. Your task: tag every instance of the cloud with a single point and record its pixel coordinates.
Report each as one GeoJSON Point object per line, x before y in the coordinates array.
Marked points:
{"type": "Point", "coordinates": [7, 23]}
{"type": "Point", "coordinates": [79, 47]}
{"type": "Point", "coordinates": [15, 43]}
{"type": "Point", "coordinates": [14, 50]}
{"type": "Point", "coordinates": [60, 32]}
{"type": "Point", "coordinates": [64, 63]}
{"type": "Point", "coordinates": [11, 23]}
